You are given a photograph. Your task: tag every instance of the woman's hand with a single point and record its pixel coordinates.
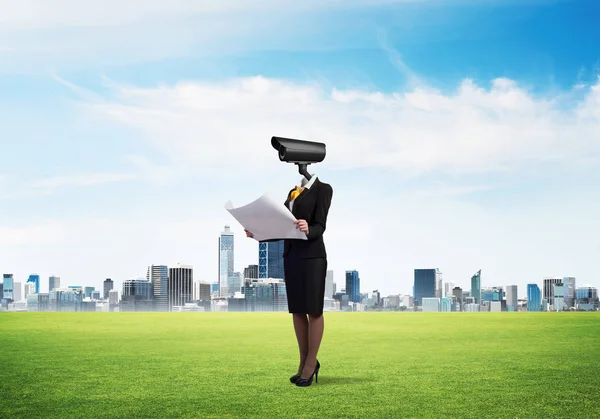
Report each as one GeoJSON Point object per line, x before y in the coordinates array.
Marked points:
{"type": "Point", "coordinates": [249, 234]}
{"type": "Point", "coordinates": [302, 225]}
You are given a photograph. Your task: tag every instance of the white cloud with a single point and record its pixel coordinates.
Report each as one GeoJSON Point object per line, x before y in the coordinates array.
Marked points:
{"type": "Point", "coordinates": [85, 179]}
{"type": "Point", "coordinates": [472, 130]}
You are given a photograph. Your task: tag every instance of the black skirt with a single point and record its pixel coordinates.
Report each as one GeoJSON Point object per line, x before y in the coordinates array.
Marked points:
{"type": "Point", "coordinates": [305, 284]}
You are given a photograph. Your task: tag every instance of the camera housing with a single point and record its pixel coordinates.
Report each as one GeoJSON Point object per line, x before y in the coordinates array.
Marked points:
{"type": "Point", "coordinates": [300, 152]}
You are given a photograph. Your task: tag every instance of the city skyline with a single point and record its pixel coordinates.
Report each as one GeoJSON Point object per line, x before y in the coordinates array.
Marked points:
{"type": "Point", "coordinates": [430, 283]}
{"type": "Point", "coordinates": [451, 143]}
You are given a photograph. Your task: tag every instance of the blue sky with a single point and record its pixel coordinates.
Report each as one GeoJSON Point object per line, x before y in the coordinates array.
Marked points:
{"type": "Point", "coordinates": [461, 135]}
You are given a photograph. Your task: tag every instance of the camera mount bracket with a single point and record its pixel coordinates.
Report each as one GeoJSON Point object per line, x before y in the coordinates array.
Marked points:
{"type": "Point", "coordinates": [303, 169]}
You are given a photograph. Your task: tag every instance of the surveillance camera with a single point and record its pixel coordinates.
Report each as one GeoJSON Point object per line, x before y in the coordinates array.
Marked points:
{"type": "Point", "coordinates": [298, 151]}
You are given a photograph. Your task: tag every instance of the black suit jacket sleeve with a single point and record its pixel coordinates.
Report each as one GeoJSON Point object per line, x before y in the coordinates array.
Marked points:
{"type": "Point", "coordinates": [319, 220]}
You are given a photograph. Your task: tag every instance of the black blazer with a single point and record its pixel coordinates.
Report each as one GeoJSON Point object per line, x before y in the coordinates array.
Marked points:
{"type": "Point", "coordinates": [311, 205]}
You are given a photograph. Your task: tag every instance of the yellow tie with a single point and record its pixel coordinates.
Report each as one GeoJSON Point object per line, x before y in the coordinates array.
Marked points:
{"type": "Point", "coordinates": [295, 193]}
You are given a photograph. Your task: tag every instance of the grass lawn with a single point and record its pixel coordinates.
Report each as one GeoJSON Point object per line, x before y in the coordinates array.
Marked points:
{"type": "Point", "coordinates": [237, 365]}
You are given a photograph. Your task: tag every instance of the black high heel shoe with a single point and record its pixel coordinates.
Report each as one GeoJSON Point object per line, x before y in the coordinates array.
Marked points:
{"type": "Point", "coordinates": [294, 378]}
{"type": "Point", "coordinates": [301, 382]}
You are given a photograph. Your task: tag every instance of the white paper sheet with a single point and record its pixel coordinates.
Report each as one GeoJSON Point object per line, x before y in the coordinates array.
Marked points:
{"type": "Point", "coordinates": [267, 219]}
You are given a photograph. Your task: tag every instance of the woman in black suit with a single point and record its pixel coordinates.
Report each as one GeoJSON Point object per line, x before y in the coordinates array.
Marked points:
{"type": "Point", "coordinates": [305, 268]}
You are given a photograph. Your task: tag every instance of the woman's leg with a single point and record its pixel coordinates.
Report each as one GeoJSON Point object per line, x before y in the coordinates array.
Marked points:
{"type": "Point", "coordinates": [301, 327]}
{"type": "Point", "coordinates": [316, 326]}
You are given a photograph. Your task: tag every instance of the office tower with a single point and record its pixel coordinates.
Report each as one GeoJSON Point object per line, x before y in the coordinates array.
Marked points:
{"type": "Point", "coordinates": [88, 291]}
{"type": "Point", "coordinates": [53, 282]}
{"type": "Point", "coordinates": [558, 303]}
{"type": "Point", "coordinates": [65, 300]}
{"type": "Point", "coordinates": [113, 298]}
{"type": "Point", "coordinates": [35, 279]}
{"type": "Point", "coordinates": [137, 295]}
{"type": "Point", "coordinates": [439, 281]}
{"type": "Point", "coordinates": [376, 297]}
{"type": "Point", "coordinates": [251, 272]}
{"type": "Point", "coordinates": [353, 286]}
{"type": "Point", "coordinates": [549, 283]}
{"type": "Point", "coordinates": [476, 287]}
{"type": "Point", "coordinates": [8, 287]}
{"type": "Point", "coordinates": [534, 298]}
{"type": "Point", "coordinates": [448, 287]}
{"type": "Point", "coordinates": [29, 289]}
{"type": "Point", "coordinates": [108, 286]}
{"type": "Point", "coordinates": [158, 275]}
{"type": "Point", "coordinates": [226, 256]}
{"type": "Point", "coordinates": [424, 285]}
{"type": "Point", "coordinates": [512, 303]}
{"type": "Point", "coordinates": [329, 286]}
{"type": "Point", "coordinates": [234, 283]}
{"type": "Point", "coordinates": [270, 260]}
{"type": "Point", "coordinates": [214, 288]}
{"type": "Point", "coordinates": [430, 304]}
{"type": "Point", "coordinates": [180, 285]}
{"type": "Point", "coordinates": [458, 294]}
{"type": "Point", "coordinates": [201, 291]}
{"type": "Point", "coordinates": [570, 287]}
{"type": "Point", "coordinates": [586, 298]}
{"type": "Point", "coordinates": [18, 291]}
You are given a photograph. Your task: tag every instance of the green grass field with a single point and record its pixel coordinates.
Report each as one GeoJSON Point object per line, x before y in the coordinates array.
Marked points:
{"type": "Point", "coordinates": [389, 365]}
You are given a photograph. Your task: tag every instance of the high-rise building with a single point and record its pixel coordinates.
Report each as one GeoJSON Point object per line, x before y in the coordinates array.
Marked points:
{"type": "Point", "coordinates": [201, 291]}
{"type": "Point", "coordinates": [448, 288]}
{"type": "Point", "coordinates": [329, 289]}
{"type": "Point", "coordinates": [558, 304]}
{"type": "Point", "coordinates": [439, 281]}
{"type": "Point", "coordinates": [113, 298]}
{"type": "Point", "coordinates": [476, 287]}
{"type": "Point", "coordinates": [251, 272]}
{"type": "Point", "coordinates": [353, 286]}
{"type": "Point", "coordinates": [534, 298]}
{"type": "Point", "coordinates": [158, 275]}
{"type": "Point", "coordinates": [108, 286]}
{"type": "Point", "coordinates": [424, 285]}
{"type": "Point", "coordinates": [29, 289]}
{"type": "Point", "coordinates": [53, 282]}
{"type": "Point", "coordinates": [270, 260]}
{"type": "Point", "coordinates": [181, 286]}
{"type": "Point", "coordinates": [226, 258]}
{"type": "Point", "coordinates": [458, 294]}
{"type": "Point", "coordinates": [35, 279]}
{"type": "Point", "coordinates": [512, 303]}
{"type": "Point", "coordinates": [214, 288]}
{"type": "Point", "coordinates": [549, 283]}
{"type": "Point", "coordinates": [234, 283]}
{"type": "Point", "coordinates": [586, 298]}
{"type": "Point", "coordinates": [570, 288]}
{"type": "Point", "coordinates": [88, 291]}
{"type": "Point", "coordinates": [137, 295]}
{"type": "Point", "coordinates": [18, 291]}
{"type": "Point", "coordinates": [8, 287]}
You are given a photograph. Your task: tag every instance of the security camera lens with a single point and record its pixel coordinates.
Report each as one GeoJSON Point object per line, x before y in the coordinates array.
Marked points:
{"type": "Point", "coordinates": [282, 152]}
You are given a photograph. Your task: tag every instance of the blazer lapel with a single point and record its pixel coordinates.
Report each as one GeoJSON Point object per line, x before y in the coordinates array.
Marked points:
{"type": "Point", "coordinates": [287, 201]}
{"type": "Point", "coordinates": [302, 195]}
